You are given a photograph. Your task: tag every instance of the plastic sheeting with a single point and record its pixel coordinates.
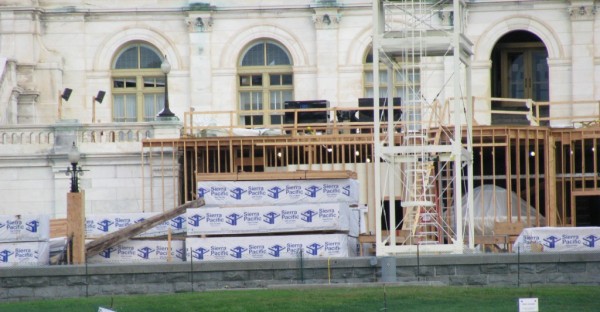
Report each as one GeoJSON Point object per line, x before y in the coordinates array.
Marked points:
{"type": "Point", "coordinates": [284, 192]}
{"type": "Point", "coordinates": [144, 251]}
{"type": "Point", "coordinates": [101, 224]}
{"type": "Point", "coordinates": [558, 239]}
{"type": "Point", "coordinates": [490, 205]}
{"type": "Point", "coordinates": [270, 219]}
{"type": "Point", "coordinates": [21, 228]}
{"type": "Point", "coordinates": [24, 254]}
{"type": "Point", "coordinates": [270, 247]}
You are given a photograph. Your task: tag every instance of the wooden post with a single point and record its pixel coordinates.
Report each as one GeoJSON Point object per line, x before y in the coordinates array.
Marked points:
{"type": "Point", "coordinates": [76, 226]}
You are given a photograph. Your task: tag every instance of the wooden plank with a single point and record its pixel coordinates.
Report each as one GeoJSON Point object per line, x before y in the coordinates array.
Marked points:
{"type": "Point", "coordinates": [76, 226]}
{"type": "Point", "coordinates": [96, 246]}
{"type": "Point", "coordinates": [280, 175]}
{"type": "Point", "coordinates": [58, 228]}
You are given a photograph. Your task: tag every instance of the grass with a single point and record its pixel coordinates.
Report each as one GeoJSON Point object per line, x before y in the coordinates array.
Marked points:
{"type": "Point", "coordinates": [345, 299]}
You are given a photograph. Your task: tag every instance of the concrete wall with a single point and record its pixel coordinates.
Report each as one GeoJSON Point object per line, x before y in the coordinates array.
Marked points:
{"type": "Point", "coordinates": [469, 270]}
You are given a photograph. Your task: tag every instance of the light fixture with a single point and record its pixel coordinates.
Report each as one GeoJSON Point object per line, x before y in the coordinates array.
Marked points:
{"type": "Point", "coordinates": [98, 98]}
{"type": "Point", "coordinates": [74, 171]}
{"type": "Point", "coordinates": [279, 154]}
{"type": "Point", "coordinates": [356, 153]}
{"type": "Point", "coordinates": [66, 94]}
{"type": "Point", "coordinates": [326, 19]}
{"type": "Point", "coordinates": [532, 153]}
{"type": "Point", "coordinates": [166, 68]}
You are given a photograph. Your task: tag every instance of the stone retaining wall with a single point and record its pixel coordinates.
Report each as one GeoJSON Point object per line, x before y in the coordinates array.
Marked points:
{"type": "Point", "coordinates": [26, 283]}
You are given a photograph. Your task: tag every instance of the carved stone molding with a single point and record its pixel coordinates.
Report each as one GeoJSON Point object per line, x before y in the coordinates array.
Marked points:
{"type": "Point", "coordinates": [582, 12]}
{"type": "Point", "coordinates": [326, 18]}
{"type": "Point", "coordinates": [199, 23]}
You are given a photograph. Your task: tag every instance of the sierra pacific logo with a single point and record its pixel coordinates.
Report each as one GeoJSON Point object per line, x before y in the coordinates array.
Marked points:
{"type": "Point", "coordinates": [199, 253]}
{"type": "Point", "coordinates": [180, 253]}
{"type": "Point", "coordinates": [107, 252]}
{"type": "Point", "coordinates": [551, 241]}
{"type": "Point", "coordinates": [270, 217]}
{"type": "Point", "coordinates": [104, 225]}
{"type": "Point", "coordinates": [233, 218]}
{"type": "Point", "coordinates": [313, 249]}
{"type": "Point", "coordinates": [346, 190]}
{"type": "Point", "coordinates": [2, 225]}
{"type": "Point", "coordinates": [5, 254]}
{"type": "Point", "coordinates": [202, 191]}
{"type": "Point", "coordinates": [139, 220]}
{"type": "Point", "coordinates": [237, 193]}
{"type": "Point", "coordinates": [590, 240]}
{"type": "Point", "coordinates": [178, 222]}
{"type": "Point", "coordinates": [195, 220]}
{"type": "Point", "coordinates": [145, 252]}
{"type": "Point", "coordinates": [32, 226]}
{"type": "Point", "coordinates": [275, 250]}
{"type": "Point", "coordinates": [274, 192]}
{"type": "Point", "coordinates": [237, 252]}
{"type": "Point", "coordinates": [308, 215]}
{"type": "Point", "coordinates": [312, 191]}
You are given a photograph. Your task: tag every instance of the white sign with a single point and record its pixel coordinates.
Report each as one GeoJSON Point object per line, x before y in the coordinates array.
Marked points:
{"type": "Point", "coordinates": [102, 224]}
{"type": "Point", "coordinates": [269, 247]}
{"type": "Point", "coordinates": [21, 228]}
{"type": "Point", "coordinates": [528, 305]}
{"type": "Point", "coordinates": [134, 251]}
{"type": "Point", "coordinates": [284, 192]}
{"type": "Point", "coordinates": [24, 254]}
{"type": "Point", "coordinates": [271, 219]}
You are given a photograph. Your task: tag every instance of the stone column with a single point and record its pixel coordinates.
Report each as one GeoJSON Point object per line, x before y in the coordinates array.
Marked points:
{"type": "Point", "coordinates": [326, 21]}
{"type": "Point", "coordinates": [582, 58]}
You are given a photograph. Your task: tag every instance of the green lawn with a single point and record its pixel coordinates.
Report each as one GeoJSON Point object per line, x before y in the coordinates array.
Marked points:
{"type": "Point", "coordinates": [343, 299]}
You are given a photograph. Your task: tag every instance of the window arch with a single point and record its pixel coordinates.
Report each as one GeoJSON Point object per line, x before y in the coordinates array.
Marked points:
{"type": "Point", "coordinates": [265, 82]}
{"type": "Point", "coordinates": [138, 84]}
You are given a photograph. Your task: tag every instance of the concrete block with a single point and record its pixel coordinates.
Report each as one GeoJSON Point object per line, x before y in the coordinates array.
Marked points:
{"type": "Point", "coordinates": [571, 267]}
{"type": "Point", "coordinates": [468, 270]}
{"type": "Point", "coordinates": [494, 268]}
{"type": "Point", "coordinates": [20, 293]}
{"type": "Point", "coordinates": [445, 270]}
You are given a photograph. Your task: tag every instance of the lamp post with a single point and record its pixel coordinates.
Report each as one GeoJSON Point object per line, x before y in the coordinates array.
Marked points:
{"type": "Point", "coordinates": [75, 211]}
{"type": "Point", "coordinates": [74, 171]}
{"type": "Point", "coordinates": [166, 68]}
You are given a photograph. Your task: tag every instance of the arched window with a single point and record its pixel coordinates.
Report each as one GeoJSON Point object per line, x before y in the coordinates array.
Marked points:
{"type": "Point", "coordinates": [265, 82]}
{"type": "Point", "coordinates": [406, 79]}
{"type": "Point", "coordinates": [138, 84]}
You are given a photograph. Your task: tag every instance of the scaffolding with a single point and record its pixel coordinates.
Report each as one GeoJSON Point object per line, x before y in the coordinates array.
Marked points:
{"type": "Point", "coordinates": [420, 171]}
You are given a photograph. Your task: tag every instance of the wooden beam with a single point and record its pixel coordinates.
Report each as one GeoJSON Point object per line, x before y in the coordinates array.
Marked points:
{"type": "Point", "coordinates": [76, 226]}
{"type": "Point", "coordinates": [109, 240]}
{"type": "Point", "coordinates": [280, 175]}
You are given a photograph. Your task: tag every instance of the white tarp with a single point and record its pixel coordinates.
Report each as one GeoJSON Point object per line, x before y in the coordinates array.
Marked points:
{"type": "Point", "coordinates": [283, 192]}
{"type": "Point", "coordinates": [490, 205]}
{"type": "Point", "coordinates": [557, 239]}
{"type": "Point", "coordinates": [270, 247]}
{"type": "Point", "coordinates": [102, 224]}
{"type": "Point", "coordinates": [20, 228]}
{"type": "Point", "coordinates": [272, 219]}
{"type": "Point", "coordinates": [24, 254]}
{"type": "Point", "coordinates": [145, 251]}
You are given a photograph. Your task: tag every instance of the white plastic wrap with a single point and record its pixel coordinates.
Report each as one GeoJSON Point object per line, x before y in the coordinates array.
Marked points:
{"type": "Point", "coordinates": [269, 247]}
{"type": "Point", "coordinates": [24, 254]}
{"type": "Point", "coordinates": [21, 228]}
{"type": "Point", "coordinates": [273, 219]}
{"type": "Point", "coordinates": [284, 192]}
{"type": "Point", "coordinates": [140, 251]}
{"type": "Point", "coordinates": [558, 239]}
{"type": "Point", "coordinates": [490, 205]}
{"type": "Point", "coordinates": [102, 224]}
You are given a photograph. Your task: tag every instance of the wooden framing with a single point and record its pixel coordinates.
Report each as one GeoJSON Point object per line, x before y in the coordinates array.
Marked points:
{"type": "Point", "coordinates": [544, 167]}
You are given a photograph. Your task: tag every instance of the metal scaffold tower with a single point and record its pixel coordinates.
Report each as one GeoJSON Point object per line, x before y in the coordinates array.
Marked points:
{"type": "Point", "coordinates": [424, 155]}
